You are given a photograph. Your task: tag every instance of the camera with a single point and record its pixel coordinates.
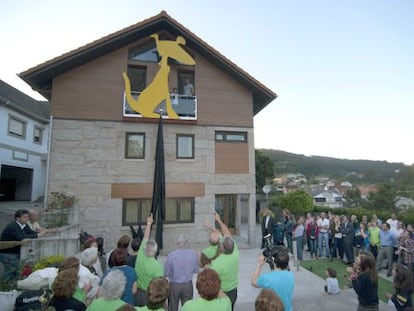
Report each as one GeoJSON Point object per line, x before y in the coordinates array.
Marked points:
{"type": "Point", "coordinates": [269, 251]}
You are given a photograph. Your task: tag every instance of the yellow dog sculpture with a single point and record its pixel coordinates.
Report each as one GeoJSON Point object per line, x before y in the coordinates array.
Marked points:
{"type": "Point", "coordinates": [158, 90]}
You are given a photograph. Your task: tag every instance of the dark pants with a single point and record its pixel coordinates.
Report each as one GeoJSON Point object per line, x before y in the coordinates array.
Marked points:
{"type": "Point", "coordinates": [11, 263]}
{"type": "Point", "coordinates": [337, 248]}
{"type": "Point", "coordinates": [374, 250]}
{"type": "Point", "coordinates": [299, 247]}
{"type": "Point", "coordinates": [140, 298]}
{"type": "Point", "coordinates": [349, 251]}
{"type": "Point", "coordinates": [289, 239]}
{"type": "Point", "coordinates": [179, 291]}
{"type": "Point", "coordinates": [367, 308]}
{"type": "Point", "coordinates": [312, 243]}
{"type": "Point", "coordinates": [232, 294]}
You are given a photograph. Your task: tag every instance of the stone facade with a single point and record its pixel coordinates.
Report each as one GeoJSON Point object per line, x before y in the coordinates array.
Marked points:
{"type": "Point", "coordinates": [88, 156]}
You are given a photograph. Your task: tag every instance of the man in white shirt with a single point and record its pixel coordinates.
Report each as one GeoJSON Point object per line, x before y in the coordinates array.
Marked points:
{"type": "Point", "coordinates": [393, 222]}
{"type": "Point", "coordinates": [323, 226]}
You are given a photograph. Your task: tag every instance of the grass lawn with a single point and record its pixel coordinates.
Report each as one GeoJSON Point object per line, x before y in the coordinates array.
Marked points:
{"type": "Point", "coordinates": [318, 267]}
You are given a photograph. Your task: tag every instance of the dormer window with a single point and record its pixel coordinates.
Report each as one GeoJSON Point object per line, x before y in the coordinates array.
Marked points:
{"type": "Point", "coordinates": [147, 53]}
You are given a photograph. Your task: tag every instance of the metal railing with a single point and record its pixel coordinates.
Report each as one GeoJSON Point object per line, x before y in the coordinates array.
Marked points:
{"type": "Point", "coordinates": [184, 106]}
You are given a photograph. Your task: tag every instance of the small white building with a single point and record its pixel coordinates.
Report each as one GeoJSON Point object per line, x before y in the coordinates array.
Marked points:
{"type": "Point", "coordinates": [24, 130]}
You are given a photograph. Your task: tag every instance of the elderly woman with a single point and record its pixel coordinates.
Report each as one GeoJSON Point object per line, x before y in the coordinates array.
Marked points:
{"type": "Point", "coordinates": [110, 293]}
{"type": "Point", "coordinates": [119, 257]}
{"type": "Point", "coordinates": [157, 294]}
{"type": "Point", "coordinates": [64, 288]}
{"type": "Point", "coordinates": [211, 298]}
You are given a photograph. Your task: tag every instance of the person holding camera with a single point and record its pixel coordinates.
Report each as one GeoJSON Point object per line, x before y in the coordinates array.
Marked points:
{"type": "Point", "coordinates": [280, 280]}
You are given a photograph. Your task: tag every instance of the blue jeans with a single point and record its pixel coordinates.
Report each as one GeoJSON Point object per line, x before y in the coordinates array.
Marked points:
{"type": "Point", "coordinates": [312, 248]}
{"type": "Point", "coordinates": [338, 245]}
{"type": "Point", "coordinates": [323, 237]}
{"type": "Point", "coordinates": [299, 247]}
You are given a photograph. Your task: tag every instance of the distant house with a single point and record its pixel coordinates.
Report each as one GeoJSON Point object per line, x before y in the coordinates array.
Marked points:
{"type": "Point", "coordinates": [366, 190]}
{"type": "Point", "coordinates": [404, 203]}
{"type": "Point", "coordinates": [327, 198]}
{"type": "Point", "coordinates": [24, 130]}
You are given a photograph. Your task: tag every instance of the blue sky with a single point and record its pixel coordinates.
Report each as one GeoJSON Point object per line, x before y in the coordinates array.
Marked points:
{"type": "Point", "coordinates": [343, 70]}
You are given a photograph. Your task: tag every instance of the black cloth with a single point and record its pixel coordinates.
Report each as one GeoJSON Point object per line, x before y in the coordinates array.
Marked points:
{"type": "Point", "coordinates": [130, 261]}
{"type": "Point", "coordinates": [62, 304]}
{"type": "Point", "coordinates": [402, 299]}
{"type": "Point", "coordinates": [366, 290]}
{"type": "Point", "coordinates": [13, 232]}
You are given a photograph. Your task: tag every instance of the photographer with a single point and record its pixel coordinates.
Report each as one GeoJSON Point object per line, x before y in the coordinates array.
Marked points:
{"type": "Point", "coordinates": [280, 280]}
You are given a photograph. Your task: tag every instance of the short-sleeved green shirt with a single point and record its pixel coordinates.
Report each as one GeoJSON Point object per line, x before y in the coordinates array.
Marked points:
{"type": "Point", "coordinates": [210, 251]}
{"type": "Point", "coordinates": [200, 304]}
{"type": "Point", "coordinates": [147, 268]}
{"type": "Point", "coordinates": [101, 304]}
{"type": "Point", "coordinates": [227, 267]}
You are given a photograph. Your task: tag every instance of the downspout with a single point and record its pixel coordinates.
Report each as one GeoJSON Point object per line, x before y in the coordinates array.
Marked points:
{"type": "Point", "coordinates": [49, 143]}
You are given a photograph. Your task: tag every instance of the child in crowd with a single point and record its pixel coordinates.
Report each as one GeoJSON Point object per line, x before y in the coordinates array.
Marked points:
{"type": "Point", "coordinates": [403, 284]}
{"type": "Point", "coordinates": [332, 285]}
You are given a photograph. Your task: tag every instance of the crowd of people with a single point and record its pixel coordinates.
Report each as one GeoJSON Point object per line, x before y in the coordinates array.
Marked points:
{"type": "Point", "coordinates": [131, 277]}
{"type": "Point", "coordinates": [367, 246]}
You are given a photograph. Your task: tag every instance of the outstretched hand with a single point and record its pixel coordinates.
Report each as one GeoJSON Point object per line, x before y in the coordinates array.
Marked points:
{"type": "Point", "coordinates": [150, 220]}
{"type": "Point", "coordinates": [217, 217]}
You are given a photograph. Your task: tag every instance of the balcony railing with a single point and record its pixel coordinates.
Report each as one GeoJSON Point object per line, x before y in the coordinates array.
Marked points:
{"type": "Point", "coordinates": [184, 106]}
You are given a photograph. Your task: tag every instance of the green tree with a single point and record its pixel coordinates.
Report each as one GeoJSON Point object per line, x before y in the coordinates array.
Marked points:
{"type": "Point", "coordinates": [384, 198]}
{"type": "Point", "coordinates": [297, 202]}
{"type": "Point", "coordinates": [353, 197]}
{"type": "Point", "coordinates": [264, 169]}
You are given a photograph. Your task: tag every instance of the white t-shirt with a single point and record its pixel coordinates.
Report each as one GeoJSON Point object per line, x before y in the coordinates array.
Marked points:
{"type": "Point", "coordinates": [393, 225]}
{"type": "Point", "coordinates": [323, 223]}
{"type": "Point", "coordinates": [332, 286]}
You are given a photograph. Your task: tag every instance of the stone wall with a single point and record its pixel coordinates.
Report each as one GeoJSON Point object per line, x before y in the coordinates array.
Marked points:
{"type": "Point", "coordinates": [88, 156]}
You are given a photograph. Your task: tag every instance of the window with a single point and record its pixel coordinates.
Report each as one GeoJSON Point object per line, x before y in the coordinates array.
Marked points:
{"type": "Point", "coordinates": [177, 210]}
{"type": "Point", "coordinates": [320, 200]}
{"type": "Point", "coordinates": [138, 77]}
{"type": "Point", "coordinates": [185, 146]}
{"type": "Point", "coordinates": [231, 136]}
{"type": "Point", "coordinates": [147, 53]}
{"type": "Point", "coordinates": [17, 127]}
{"type": "Point", "coordinates": [135, 145]}
{"type": "Point", "coordinates": [186, 84]}
{"type": "Point", "coordinates": [37, 135]}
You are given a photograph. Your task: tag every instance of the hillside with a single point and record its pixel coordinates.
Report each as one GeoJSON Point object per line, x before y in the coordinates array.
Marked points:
{"type": "Point", "coordinates": [312, 166]}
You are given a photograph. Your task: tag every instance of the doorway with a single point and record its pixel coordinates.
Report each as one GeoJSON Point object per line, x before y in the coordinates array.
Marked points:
{"type": "Point", "coordinates": [226, 205]}
{"type": "Point", "coordinates": [15, 183]}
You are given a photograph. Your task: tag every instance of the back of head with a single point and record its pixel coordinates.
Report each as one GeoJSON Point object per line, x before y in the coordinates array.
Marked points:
{"type": "Point", "coordinates": [228, 245]}
{"type": "Point", "coordinates": [403, 278]}
{"type": "Point", "coordinates": [20, 212]}
{"type": "Point", "coordinates": [69, 263]}
{"type": "Point", "coordinates": [331, 272]}
{"type": "Point", "coordinates": [113, 285]}
{"type": "Point", "coordinates": [157, 293]}
{"type": "Point", "coordinates": [119, 257]}
{"type": "Point", "coordinates": [214, 238]}
{"type": "Point", "coordinates": [89, 256]}
{"type": "Point", "coordinates": [268, 300]}
{"type": "Point", "coordinates": [65, 283]}
{"type": "Point", "coordinates": [151, 248]}
{"type": "Point", "coordinates": [208, 284]}
{"type": "Point", "coordinates": [367, 265]}
{"type": "Point", "coordinates": [281, 258]}
{"type": "Point", "coordinates": [123, 241]}
{"type": "Point", "coordinates": [182, 241]}
{"type": "Point", "coordinates": [135, 244]}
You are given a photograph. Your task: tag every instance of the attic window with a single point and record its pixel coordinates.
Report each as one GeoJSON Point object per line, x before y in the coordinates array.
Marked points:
{"type": "Point", "coordinates": [147, 53]}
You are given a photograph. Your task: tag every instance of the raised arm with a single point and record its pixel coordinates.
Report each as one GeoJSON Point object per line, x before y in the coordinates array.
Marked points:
{"type": "Point", "coordinates": [147, 232]}
{"type": "Point", "coordinates": [224, 229]}
{"type": "Point", "coordinates": [210, 228]}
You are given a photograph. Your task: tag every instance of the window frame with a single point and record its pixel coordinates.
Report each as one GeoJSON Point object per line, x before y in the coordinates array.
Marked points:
{"type": "Point", "coordinates": [35, 127]}
{"type": "Point", "coordinates": [225, 135]}
{"type": "Point", "coordinates": [127, 135]}
{"type": "Point", "coordinates": [178, 136]}
{"type": "Point", "coordinates": [143, 219]}
{"type": "Point", "coordinates": [24, 124]}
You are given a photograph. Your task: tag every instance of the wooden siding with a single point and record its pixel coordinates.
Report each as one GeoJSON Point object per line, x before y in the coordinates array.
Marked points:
{"type": "Point", "coordinates": [232, 158]}
{"type": "Point", "coordinates": [94, 91]}
{"type": "Point", "coordinates": [144, 190]}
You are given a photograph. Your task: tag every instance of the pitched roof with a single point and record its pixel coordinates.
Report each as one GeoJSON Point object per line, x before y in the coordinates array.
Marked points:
{"type": "Point", "coordinates": [18, 101]}
{"type": "Point", "coordinates": [40, 77]}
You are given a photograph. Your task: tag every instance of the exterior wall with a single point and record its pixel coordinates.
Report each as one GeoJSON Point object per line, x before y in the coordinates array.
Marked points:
{"type": "Point", "coordinates": [94, 91]}
{"type": "Point", "coordinates": [24, 153]}
{"type": "Point", "coordinates": [87, 158]}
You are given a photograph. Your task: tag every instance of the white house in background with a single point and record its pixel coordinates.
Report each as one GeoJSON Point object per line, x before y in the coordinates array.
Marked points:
{"type": "Point", "coordinates": [404, 203]}
{"type": "Point", "coordinates": [327, 198]}
{"type": "Point", "coordinates": [24, 130]}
